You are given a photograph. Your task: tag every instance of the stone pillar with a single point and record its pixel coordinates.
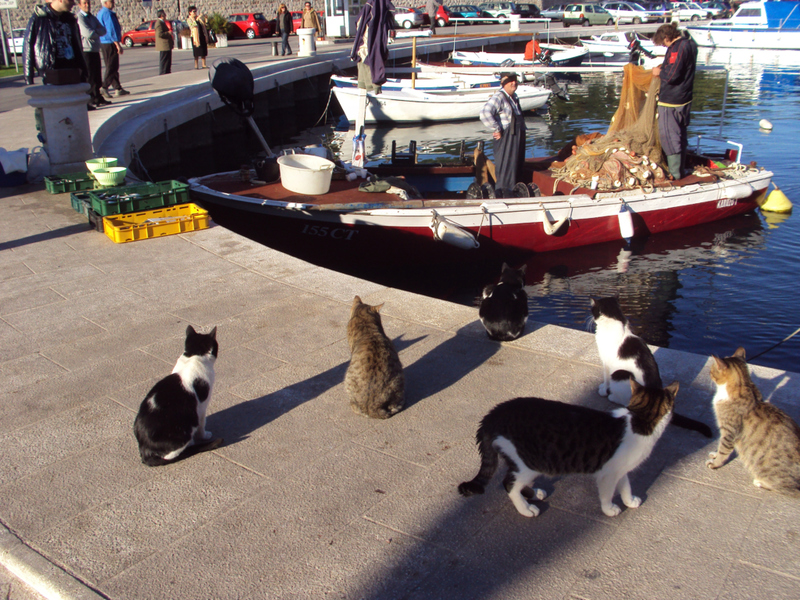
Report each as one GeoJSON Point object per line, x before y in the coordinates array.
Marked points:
{"type": "Point", "coordinates": [64, 124]}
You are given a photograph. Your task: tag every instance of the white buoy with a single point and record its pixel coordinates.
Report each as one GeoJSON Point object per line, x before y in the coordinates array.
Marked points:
{"type": "Point", "coordinates": [764, 124]}
{"type": "Point", "coordinates": [625, 222]}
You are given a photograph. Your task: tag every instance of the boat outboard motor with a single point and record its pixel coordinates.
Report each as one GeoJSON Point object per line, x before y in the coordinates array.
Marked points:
{"type": "Point", "coordinates": [234, 84]}
{"type": "Point", "coordinates": [636, 50]}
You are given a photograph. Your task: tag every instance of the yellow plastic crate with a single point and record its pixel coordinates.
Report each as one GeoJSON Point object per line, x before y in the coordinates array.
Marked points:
{"type": "Point", "coordinates": [148, 224]}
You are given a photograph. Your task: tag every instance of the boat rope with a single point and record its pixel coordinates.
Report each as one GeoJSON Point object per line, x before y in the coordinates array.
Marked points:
{"type": "Point", "coordinates": [138, 160]}
{"type": "Point", "coordinates": [786, 339]}
{"type": "Point", "coordinates": [327, 104]}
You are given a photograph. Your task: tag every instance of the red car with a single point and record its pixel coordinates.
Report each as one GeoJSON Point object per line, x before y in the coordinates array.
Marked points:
{"type": "Point", "coordinates": [144, 34]}
{"type": "Point", "coordinates": [442, 16]}
{"type": "Point", "coordinates": [297, 20]}
{"type": "Point", "coordinates": [250, 25]}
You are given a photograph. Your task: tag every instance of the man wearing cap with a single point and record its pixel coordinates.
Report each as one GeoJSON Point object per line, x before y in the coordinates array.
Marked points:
{"type": "Point", "coordinates": [164, 43]}
{"type": "Point", "coordinates": [503, 115]}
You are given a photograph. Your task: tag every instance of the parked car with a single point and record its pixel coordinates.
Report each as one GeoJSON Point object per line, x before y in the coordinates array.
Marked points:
{"type": "Point", "coordinates": [629, 12]}
{"type": "Point", "coordinates": [407, 17]}
{"type": "Point", "coordinates": [717, 10]}
{"type": "Point", "coordinates": [529, 11]}
{"type": "Point", "coordinates": [143, 34]}
{"type": "Point", "coordinates": [16, 41]}
{"type": "Point", "coordinates": [499, 10]}
{"type": "Point", "coordinates": [554, 13]}
{"type": "Point", "coordinates": [467, 11]}
{"type": "Point", "coordinates": [688, 11]}
{"type": "Point", "coordinates": [586, 15]}
{"type": "Point", "coordinates": [659, 8]}
{"type": "Point", "coordinates": [443, 15]}
{"type": "Point", "coordinates": [250, 25]}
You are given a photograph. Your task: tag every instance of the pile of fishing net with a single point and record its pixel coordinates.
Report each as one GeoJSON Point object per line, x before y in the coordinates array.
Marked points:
{"type": "Point", "coordinates": [629, 155]}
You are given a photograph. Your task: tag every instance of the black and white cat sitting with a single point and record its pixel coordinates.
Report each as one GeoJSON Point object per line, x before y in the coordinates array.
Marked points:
{"type": "Point", "coordinates": [624, 356]}
{"type": "Point", "coordinates": [171, 422]}
{"type": "Point", "coordinates": [544, 437]}
{"type": "Point", "coordinates": [504, 306]}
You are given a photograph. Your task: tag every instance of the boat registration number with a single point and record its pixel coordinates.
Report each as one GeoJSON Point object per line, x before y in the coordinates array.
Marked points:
{"type": "Point", "coordinates": [726, 202]}
{"type": "Point", "coordinates": [335, 233]}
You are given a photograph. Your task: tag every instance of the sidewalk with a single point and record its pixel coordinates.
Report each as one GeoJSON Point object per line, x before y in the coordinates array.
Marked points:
{"type": "Point", "coordinates": [306, 499]}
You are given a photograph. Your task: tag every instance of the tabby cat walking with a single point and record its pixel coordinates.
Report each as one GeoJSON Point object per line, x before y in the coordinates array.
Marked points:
{"type": "Point", "coordinates": [171, 422]}
{"type": "Point", "coordinates": [374, 379]}
{"type": "Point", "coordinates": [764, 437]}
{"type": "Point", "coordinates": [544, 437]}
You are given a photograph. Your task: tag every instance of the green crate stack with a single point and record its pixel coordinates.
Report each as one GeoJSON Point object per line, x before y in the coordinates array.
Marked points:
{"type": "Point", "coordinates": [71, 182]}
{"type": "Point", "coordinates": [136, 198]}
{"type": "Point", "coordinates": [80, 202]}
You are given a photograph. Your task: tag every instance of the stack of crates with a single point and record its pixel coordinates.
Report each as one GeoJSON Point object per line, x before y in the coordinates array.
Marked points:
{"type": "Point", "coordinates": [76, 184]}
{"type": "Point", "coordinates": [144, 211]}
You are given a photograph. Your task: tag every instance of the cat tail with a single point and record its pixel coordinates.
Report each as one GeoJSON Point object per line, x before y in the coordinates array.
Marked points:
{"type": "Point", "coordinates": [489, 461]}
{"type": "Point", "coordinates": [151, 459]}
{"type": "Point", "coordinates": [685, 422]}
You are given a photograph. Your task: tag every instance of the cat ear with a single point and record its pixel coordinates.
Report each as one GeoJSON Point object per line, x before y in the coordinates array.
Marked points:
{"type": "Point", "coordinates": [719, 362]}
{"type": "Point", "coordinates": [213, 333]}
{"type": "Point", "coordinates": [740, 353]}
{"type": "Point", "coordinates": [377, 308]}
{"type": "Point", "coordinates": [190, 331]}
{"type": "Point", "coordinates": [505, 267]}
{"type": "Point", "coordinates": [523, 268]}
{"type": "Point", "coordinates": [672, 388]}
{"type": "Point", "coordinates": [635, 387]}
{"type": "Point", "coordinates": [356, 301]}
{"type": "Point", "coordinates": [593, 302]}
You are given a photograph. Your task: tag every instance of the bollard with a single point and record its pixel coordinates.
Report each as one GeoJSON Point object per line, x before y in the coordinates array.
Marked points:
{"type": "Point", "coordinates": [274, 48]}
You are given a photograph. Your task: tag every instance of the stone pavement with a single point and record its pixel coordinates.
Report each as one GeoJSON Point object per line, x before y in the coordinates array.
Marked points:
{"type": "Point", "coordinates": [306, 499]}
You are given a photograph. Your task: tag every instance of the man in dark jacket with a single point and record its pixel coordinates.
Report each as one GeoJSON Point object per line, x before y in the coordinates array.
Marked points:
{"type": "Point", "coordinates": [164, 43]}
{"type": "Point", "coordinates": [53, 41]}
{"type": "Point", "coordinates": [675, 98]}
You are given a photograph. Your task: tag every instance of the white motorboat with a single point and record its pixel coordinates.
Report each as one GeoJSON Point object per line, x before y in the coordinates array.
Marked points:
{"type": "Point", "coordinates": [773, 25]}
{"type": "Point", "coordinates": [562, 56]}
{"type": "Point", "coordinates": [615, 46]}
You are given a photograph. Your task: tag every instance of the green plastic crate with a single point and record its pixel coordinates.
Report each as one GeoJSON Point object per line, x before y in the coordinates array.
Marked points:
{"type": "Point", "coordinates": [80, 202]}
{"type": "Point", "coordinates": [136, 198]}
{"type": "Point", "coordinates": [71, 182]}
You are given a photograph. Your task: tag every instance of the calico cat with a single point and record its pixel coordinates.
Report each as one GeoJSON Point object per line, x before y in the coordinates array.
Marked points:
{"type": "Point", "coordinates": [625, 355]}
{"type": "Point", "coordinates": [171, 422]}
{"type": "Point", "coordinates": [544, 437]}
{"type": "Point", "coordinates": [374, 379]}
{"type": "Point", "coordinates": [765, 438]}
{"type": "Point", "coordinates": [504, 307]}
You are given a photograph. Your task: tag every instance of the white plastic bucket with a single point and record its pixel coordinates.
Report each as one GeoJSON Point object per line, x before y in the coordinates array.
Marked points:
{"type": "Point", "coordinates": [305, 36]}
{"type": "Point", "coordinates": [306, 174]}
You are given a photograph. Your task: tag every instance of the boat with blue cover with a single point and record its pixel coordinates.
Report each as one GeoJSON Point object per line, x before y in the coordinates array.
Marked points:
{"type": "Point", "coordinates": [772, 25]}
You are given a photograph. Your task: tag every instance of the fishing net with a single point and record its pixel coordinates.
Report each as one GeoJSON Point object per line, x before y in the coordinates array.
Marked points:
{"type": "Point", "coordinates": [629, 155]}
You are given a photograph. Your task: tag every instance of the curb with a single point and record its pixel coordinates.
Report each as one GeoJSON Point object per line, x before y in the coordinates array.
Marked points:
{"type": "Point", "coordinates": [38, 573]}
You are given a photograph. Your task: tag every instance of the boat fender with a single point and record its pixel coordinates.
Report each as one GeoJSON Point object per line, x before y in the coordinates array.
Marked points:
{"type": "Point", "coordinates": [777, 202]}
{"type": "Point", "coordinates": [738, 191]}
{"type": "Point", "coordinates": [450, 233]}
{"type": "Point", "coordinates": [551, 228]}
{"type": "Point", "coordinates": [625, 221]}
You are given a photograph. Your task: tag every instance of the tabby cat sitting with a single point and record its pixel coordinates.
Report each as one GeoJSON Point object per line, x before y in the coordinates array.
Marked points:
{"type": "Point", "coordinates": [543, 437]}
{"type": "Point", "coordinates": [764, 437]}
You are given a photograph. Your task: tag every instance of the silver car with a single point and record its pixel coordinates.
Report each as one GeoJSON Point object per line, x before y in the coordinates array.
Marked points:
{"type": "Point", "coordinates": [629, 12]}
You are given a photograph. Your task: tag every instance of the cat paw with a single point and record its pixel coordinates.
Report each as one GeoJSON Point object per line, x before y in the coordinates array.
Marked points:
{"type": "Point", "coordinates": [603, 389]}
{"type": "Point", "coordinates": [532, 510]}
{"type": "Point", "coordinates": [758, 483]}
{"type": "Point", "coordinates": [539, 494]}
{"type": "Point", "coordinates": [612, 510]}
{"type": "Point", "coordinates": [633, 502]}
{"type": "Point", "coordinates": [207, 435]}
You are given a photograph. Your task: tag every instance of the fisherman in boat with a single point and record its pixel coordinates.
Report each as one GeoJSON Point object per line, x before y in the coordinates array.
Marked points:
{"type": "Point", "coordinates": [675, 98]}
{"type": "Point", "coordinates": [503, 115]}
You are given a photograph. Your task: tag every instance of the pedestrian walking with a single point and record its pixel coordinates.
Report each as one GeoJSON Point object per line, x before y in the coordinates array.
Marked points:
{"type": "Point", "coordinates": [111, 48]}
{"type": "Point", "coordinates": [164, 43]}
{"type": "Point", "coordinates": [91, 30]}
{"type": "Point", "coordinates": [311, 19]}
{"type": "Point", "coordinates": [284, 28]}
{"type": "Point", "coordinates": [431, 6]}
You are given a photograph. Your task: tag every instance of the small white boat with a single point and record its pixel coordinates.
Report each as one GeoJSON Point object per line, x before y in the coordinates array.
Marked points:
{"type": "Point", "coordinates": [615, 46]}
{"type": "Point", "coordinates": [773, 25]}
{"type": "Point", "coordinates": [430, 81]}
{"type": "Point", "coordinates": [562, 56]}
{"type": "Point", "coordinates": [408, 105]}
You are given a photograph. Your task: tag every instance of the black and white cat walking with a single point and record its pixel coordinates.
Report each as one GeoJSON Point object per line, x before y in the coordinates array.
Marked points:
{"type": "Point", "coordinates": [171, 422]}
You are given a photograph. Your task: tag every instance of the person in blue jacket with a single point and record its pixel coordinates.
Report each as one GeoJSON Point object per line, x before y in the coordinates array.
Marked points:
{"type": "Point", "coordinates": [675, 98]}
{"type": "Point", "coordinates": [111, 48]}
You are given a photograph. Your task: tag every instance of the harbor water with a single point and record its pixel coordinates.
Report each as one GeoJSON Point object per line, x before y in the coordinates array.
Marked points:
{"type": "Point", "coordinates": [706, 289]}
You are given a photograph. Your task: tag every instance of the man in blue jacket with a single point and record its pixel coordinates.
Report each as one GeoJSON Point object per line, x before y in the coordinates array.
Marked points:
{"type": "Point", "coordinates": [111, 48]}
{"type": "Point", "coordinates": [675, 98]}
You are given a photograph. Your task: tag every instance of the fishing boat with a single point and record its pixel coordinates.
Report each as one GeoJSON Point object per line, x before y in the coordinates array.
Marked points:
{"type": "Point", "coordinates": [429, 81]}
{"type": "Point", "coordinates": [615, 46]}
{"type": "Point", "coordinates": [412, 105]}
{"type": "Point", "coordinates": [773, 25]}
{"type": "Point", "coordinates": [561, 56]}
{"type": "Point", "coordinates": [447, 224]}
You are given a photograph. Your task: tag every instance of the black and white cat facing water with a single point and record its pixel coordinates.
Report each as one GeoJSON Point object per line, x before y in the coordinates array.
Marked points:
{"type": "Point", "coordinates": [504, 306]}
{"type": "Point", "coordinates": [624, 356]}
{"type": "Point", "coordinates": [171, 422]}
{"type": "Point", "coordinates": [544, 437]}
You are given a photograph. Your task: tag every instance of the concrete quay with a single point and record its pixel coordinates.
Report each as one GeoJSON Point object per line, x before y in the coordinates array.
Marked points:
{"type": "Point", "coordinates": [307, 499]}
